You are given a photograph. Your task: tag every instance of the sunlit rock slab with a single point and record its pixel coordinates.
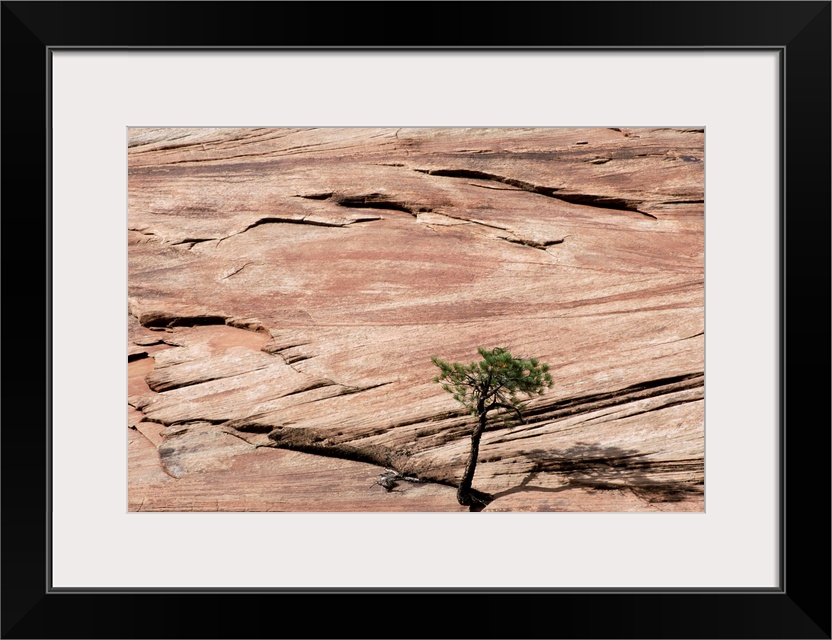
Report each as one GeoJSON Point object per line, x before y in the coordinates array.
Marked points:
{"type": "Point", "coordinates": [324, 268]}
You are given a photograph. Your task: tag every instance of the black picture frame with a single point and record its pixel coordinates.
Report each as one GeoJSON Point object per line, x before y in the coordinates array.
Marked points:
{"type": "Point", "coordinates": [799, 608]}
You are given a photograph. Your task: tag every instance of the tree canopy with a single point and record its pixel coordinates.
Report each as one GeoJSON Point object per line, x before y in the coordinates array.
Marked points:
{"type": "Point", "coordinates": [494, 382]}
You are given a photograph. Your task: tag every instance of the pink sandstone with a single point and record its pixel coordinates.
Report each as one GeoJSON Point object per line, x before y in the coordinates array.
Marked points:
{"type": "Point", "coordinates": [288, 288]}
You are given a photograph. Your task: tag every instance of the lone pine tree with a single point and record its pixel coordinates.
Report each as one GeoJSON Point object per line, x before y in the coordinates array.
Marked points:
{"type": "Point", "coordinates": [481, 387]}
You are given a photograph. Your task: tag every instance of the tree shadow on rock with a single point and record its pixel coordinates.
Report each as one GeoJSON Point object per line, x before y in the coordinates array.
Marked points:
{"type": "Point", "coordinates": [604, 468]}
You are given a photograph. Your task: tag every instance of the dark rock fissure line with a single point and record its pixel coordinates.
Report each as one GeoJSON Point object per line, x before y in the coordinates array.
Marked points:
{"type": "Point", "coordinates": [304, 220]}
{"type": "Point", "coordinates": [660, 386]}
{"type": "Point", "coordinates": [317, 196]}
{"type": "Point", "coordinates": [589, 200]}
{"type": "Point", "coordinates": [156, 342]}
{"type": "Point", "coordinates": [134, 146]}
{"type": "Point", "coordinates": [594, 402]}
{"type": "Point", "coordinates": [289, 360]}
{"type": "Point", "coordinates": [163, 386]}
{"type": "Point", "coordinates": [341, 452]}
{"type": "Point", "coordinates": [329, 451]}
{"type": "Point", "coordinates": [135, 402]}
{"type": "Point", "coordinates": [150, 234]}
{"type": "Point", "coordinates": [379, 204]}
{"type": "Point", "coordinates": [369, 201]}
{"type": "Point", "coordinates": [482, 175]}
{"type": "Point", "coordinates": [184, 143]}
{"type": "Point", "coordinates": [695, 335]}
{"type": "Point", "coordinates": [531, 243]}
{"type": "Point", "coordinates": [252, 444]}
{"type": "Point", "coordinates": [161, 320]}
{"type": "Point", "coordinates": [604, 202]}
{"type": "Point", "coordinates": [250, 424]}
{"type": "Point", "coordinates": [275, 220]}
{"type": "Point", "coordinates": [515, 240]}
{"type": "Point", "coordinates": [428, 420]}
{"type": "Point", "coordinates": [350, 390]}
{"type": "Point", "coordinates": [470, 221]}
{"type": "Point", "coordinates": [192, 421]}
{"type": "Point", "coordinates": [281, 349]}
{"type": "Point", "coordinates": [205, 160]}
{"type": "Point", "coordinates": [164, 320]}
{"type": "Point", "coordinates": [602, 401]}
{"type": "Point", "coordinates": [192, 241]}
{"type": "Point", "coordinates": [485, 186]}
{"type": "Point", "coordinates": [378, 201]}
{"type": "Point", "coordinates": [318, 384]}
{"type": "Point", "coordinates": [659, 382]}
{"type": "Point", "coordinates": [567, 414]}
{"type": "Point", "coordinates": [236, 271]}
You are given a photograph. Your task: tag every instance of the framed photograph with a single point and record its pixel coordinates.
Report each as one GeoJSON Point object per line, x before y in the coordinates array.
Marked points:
{"type": "Point", "coordinates": [505, 315]}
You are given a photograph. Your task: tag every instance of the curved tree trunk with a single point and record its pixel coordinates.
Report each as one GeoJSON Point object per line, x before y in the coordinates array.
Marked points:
{"type": "Point", "coordinates": [463, 494]}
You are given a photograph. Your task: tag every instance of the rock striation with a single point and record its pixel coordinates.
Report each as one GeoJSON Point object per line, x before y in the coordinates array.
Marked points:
{"type": "Point", "coordinates": [288, 288]}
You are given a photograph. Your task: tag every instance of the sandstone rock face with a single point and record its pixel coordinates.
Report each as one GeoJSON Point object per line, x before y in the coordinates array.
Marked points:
{"type": "Point", "coordinates": [288, 288]}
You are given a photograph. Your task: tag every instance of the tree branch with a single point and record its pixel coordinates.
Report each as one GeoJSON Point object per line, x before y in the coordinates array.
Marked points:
{"type": "Point", "coordinates": [510, 407]}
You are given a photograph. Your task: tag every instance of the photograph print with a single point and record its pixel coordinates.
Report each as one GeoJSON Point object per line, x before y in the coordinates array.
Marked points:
{"type": "Point", "coordinates": [416, 319]}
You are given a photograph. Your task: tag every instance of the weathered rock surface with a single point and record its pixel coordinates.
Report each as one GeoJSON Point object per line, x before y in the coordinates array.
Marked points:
{"type": "Point", "coordinates": [288, 288]}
